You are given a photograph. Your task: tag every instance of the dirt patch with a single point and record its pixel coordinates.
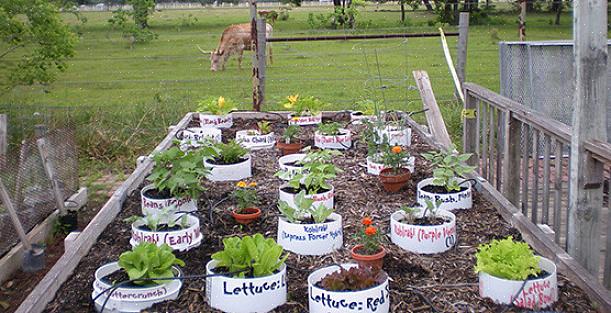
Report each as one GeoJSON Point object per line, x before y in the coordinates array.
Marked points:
{"type": "Point", "coordinates": [445, 281]}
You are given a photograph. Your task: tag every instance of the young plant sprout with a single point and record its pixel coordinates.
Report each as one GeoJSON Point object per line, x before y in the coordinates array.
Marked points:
{"type": "Point", "coordinates": [303, 106]}
{"type": "Point", "coordinates": [291, 133]}
{"type": "Point", "coordinates": [216, 106]}
{"type": "Point", "coordinates": [149, 261]}
{"type": "Point", "coordinates": [231, 152]}
{"type": "Point", "coordinates": [317, 171]}
{"type": "Point", "coordinates": [245, 195]}
{"type": "Point", "coordinates": [305, 209]}
{"type": "Point", "coordinates": [264, 127]}
{"type": "Point", "coordinates": [329, 129]}
{"type": "Point", "coordinates": [448, 166]}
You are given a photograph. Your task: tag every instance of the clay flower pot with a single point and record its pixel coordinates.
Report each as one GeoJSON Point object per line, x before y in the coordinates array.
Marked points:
{"type": "Point", "coordinates": [246, 215]}
{"type": "Point", "coordinates": [288, 148]}
{"type": "Point", "coordinates": [375, 261]}
{"type": "Point", "coordinates": [392, 182]}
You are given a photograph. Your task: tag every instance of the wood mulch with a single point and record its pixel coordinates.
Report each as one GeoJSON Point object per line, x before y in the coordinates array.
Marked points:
{"type": "Point", "coordinates": [419, 283]}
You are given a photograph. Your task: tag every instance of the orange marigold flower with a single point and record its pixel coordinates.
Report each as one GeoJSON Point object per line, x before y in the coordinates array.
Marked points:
{"type": "Point", "coordinates": [252, 184]}
{"type": "Point", "coordinates": [370, 231]}
{"type": "Point", "coordinates": [396, 149]}
{"type": "Point", "coordinates": [367, 221]}
{"type": "Point", "coordinates": [241, 184]}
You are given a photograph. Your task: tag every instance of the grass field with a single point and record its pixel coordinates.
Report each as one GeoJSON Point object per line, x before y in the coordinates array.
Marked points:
{"type": "Point", "coordinates": [122, 99]}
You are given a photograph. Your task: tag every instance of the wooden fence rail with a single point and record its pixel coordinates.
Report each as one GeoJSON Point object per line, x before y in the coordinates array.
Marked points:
{"type": "Point", "coordinates": [526, 156]}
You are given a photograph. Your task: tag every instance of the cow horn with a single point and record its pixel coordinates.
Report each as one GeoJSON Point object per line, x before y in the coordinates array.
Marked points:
{"type": "Point", "coordinates": [202, 50]}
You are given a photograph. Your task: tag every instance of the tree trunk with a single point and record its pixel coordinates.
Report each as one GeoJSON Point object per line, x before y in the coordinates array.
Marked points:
{"type": "Point", "coordinates": [402, 12]}
{"type": "Point", "coordinates": [557, 7]}
{"type": "Point", "coordinates": [428, 5]}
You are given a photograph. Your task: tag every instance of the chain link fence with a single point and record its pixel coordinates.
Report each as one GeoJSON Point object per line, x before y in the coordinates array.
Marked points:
{"type": "Point", "coordinates": [23, 172]}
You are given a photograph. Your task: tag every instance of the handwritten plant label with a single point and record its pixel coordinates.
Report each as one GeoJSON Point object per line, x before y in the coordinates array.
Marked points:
{"type": "Point", "coordinates": [375, 167]}
{"type": "Point", "coordinates": [252, 139]}
{"type": "Point", "coordinates": [218, 121]}
{"type": "Point", "coordinates": [423, 239]}
{"type": "Point", "coordinates": [291, 170]}
{"type": "Point", "coordinates": [305, 120]}
{"type": "Point", "coordinates": [537, 293]}
{"type": "Point", "coordinates": [342, 141]}
{"type": "Point", "coordinates": [449, 201]}
{"type": "Point", "coordinates": [311, 239]}
{"type": "Point", "coordinates": [325, 198]}
{"type": "Point", "coordinates": [396, 136]}
{"type": "Point", "coordinates": [181, 240]}
{"type": "Point", "coordinates": [154, 206]}
{"type": "Point", "coordinates": [372, 300]}
{"type": "Point", "coordinates": [246, 295]}
{"type": "Point", "coordinates": [357, 119]}
{"type": "Point", "coordinates": [197, 136]}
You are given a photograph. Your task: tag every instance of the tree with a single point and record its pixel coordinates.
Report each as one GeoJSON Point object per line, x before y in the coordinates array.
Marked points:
{"type": "Point", "coordinates": [35, 42]}
{"type": "Point", "coordinates": [141, 9]}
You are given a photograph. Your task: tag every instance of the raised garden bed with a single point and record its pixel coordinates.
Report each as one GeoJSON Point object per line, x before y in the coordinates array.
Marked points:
{"type": "Point", "coordinates": [446, 281]}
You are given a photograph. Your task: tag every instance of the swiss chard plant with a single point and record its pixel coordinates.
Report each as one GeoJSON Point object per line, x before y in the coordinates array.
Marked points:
{"type": "Point", "coordinates": [180, 173]}
{"type": "Point", "coordinates": [303, 106]}
{"type": "Point", "coordinates": [507, 259]}
{"type": "Point", "coordinates": [149, 261]}
{"type": "Point", "coordinates": [352, 279]}
{"type": "Point", "coordinates": [216, 106]}
{"type": "Point", "coordinates": [304, 209]}
{"type": "Point", "coordinates": [290, 134]}
{"type": "Point", "coordinates": [317, 171]}
{"type": "Point", "coordinates": [448, 166]}
{"type": "Point", "coordinates": [250, 256]}
{"type": "Point", "coordinates": [230, 152]}
{"type": "Point", "coordinates": [329, 129]}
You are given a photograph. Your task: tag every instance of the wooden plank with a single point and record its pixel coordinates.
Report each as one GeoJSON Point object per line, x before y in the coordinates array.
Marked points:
{"type": "Point", "coordinates": [484, 136]}
{"type": "Point", "coordinates": [525, 170]}
{"type": "Point", "coordinates": [558, 191]}
{"type": "Point", "coordinates": [461, 48]}
{"type": "Point", "coordinates": [446, 52]}
{"type": "Point", "coordinates": [11, 261]}
{"type": "Point", "coordinates": [491, 143]}
{"type": "Point", "coordinates": [470, 133]}
{"type": "Point", "coordinates": [50, 171]}
{"type": "Point", "coordinates": [511, 164]}
{"type": "Point", "coordinates": [600, 150]}
{"type": "Point", "coordinates": [535, 191]}
{"type": "Point", "coordinates": [546, 169]}
{"type": "Point", "coordinates": [589, 122]}
{"type": "Point", "coordinates": [433, 113]}
{"type": "Point", "coordinates": [8, 204]}
{"type": "Point", "coordinates": [3, 134]}
{"type": "Point", "coordinates": [607, 271]}
{"type": "Point", "coordinates": [47, 288]}
{"type": "Point", "coordinates": [499, 148]}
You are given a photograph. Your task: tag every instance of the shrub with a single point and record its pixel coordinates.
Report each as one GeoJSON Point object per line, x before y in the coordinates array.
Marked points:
{"type": "Point", "coordinates": [249, 256]}
{"type": "Point", "coordinates": [148, 261]}
{"type": "Point", "coordinates": [507, 259]}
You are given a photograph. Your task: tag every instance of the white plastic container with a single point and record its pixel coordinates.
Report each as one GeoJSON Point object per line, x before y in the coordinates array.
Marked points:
{"type": "Point", "coordinates": [291, 170]}
{"type": "Point", "coordinates": [154, 206]}
{"type": "Point", "coordinates": [181, 240]}
{"type": "Point", "coordinates": [325, 198]}
{"type": "Point", "coordinates": [537, 293]}
{"type": "Point", "coordinates": [305, 120]}
{"type": "Point", "coordinates": [374, 167]}
{"type": "Point", "coordinates": [423, 239]}
{"type": "Point", "coordinates": [343, 141]}
{"type": "Point", "coordinates": [450, 201]}
{"type": "Point", "coordinates": [233, 295]}
{"type": "Point", "coordinates": [230, 172]}
{"type": "Point", "coordinates": [372, 300]}
{"type": "Point", "coordinates": [253, 140]}
{"type": "Point", "coordinates": [218, 121]}
{"type": "Point", "coordinates": [397, 136]}
{"type": "Point", "coordinates": [131, 299]}
{"type": "Point", "coordinates": [311, 239]}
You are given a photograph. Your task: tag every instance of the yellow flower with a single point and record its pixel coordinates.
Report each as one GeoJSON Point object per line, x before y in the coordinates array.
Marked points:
{"type": "Point", "coordinates": [241, 184]}
{"type": "Point", "coordinates": [292, 99]}
{"type": "Point", "coordinates": [221, 102]}
{"type": "Point", "coordinates": [252, 184]}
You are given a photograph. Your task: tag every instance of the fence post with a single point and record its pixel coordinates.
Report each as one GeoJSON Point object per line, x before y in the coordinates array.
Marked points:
{"type": "Point", "coordinates": [463, 36]}
{"type": "Point", "coordinates": [511, 160]}
{"type": "Point", "coordinates": [522, 21]}
{"type": "Point", "coordinates": [470, 135]}
{"type": "Point", "coordinates": [261, 60]}
{"type": "Point", "coordinates": [253, 41]}
{"type": "Point", "coordinates": [3, 139]}
{"type": "Point", "coordinates": [589, 118]}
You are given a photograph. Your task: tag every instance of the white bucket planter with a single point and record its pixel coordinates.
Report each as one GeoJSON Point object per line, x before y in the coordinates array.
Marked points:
{"type": "Point", "coordinates": [537, 293]}
{"type": "Point", "coordinates": [357, 117]}
{"type": "Point", "coordinates": [253, 140]}
{"type": "Point", "coordinates": [343, 141]}
{"type": "Point", "coordinates": [230, 172]}
{"type": "Point", "coordinates": [305, 120]}
{"type": "Point", "coordinates": [450, 201]}
{"type": "Point", "coordinates": [325, 198]}
{"type": "Point", "coordinates": [397, 136]}
{"type": "Point", "coordinates": [246, 295]}
{"type": "Point", "coordinates": [181, 240]}
{"type": "Point", "coordinates": [289, 169]}
{"type": "Point", "coordinates": [423, 239]}
{"type": "Point", "coordinates": [375, 167]}
{"type": "Point", "coordinates": [131, 299]}
{"type": "Point", "coordinates": [372, 300]}
{"type": "Point", "coordinates": [218, 121]}
{"type": "Point", "coordinates": [311, 239]}
{"type": "Point", "coordinates": [154, 206]}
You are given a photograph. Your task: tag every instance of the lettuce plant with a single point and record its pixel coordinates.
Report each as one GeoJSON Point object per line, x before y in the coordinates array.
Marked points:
{"type": "Point", "coordinates": [507, 259]}
{"type": "Point", "coordinates": [248, 256]}
{"type": "Point", "coordinates": [448, 166]}
{"type": "Point", "coordinates": [304, 208]}
{"type": "Point", "coordinates": [148, 261]}
{"type": "Point", "coordinates": [352, 279]}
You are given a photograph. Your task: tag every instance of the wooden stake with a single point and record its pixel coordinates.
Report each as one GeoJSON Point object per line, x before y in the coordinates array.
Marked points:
{"type": "Point", "coordinates": [50, 171]}
{"type": "Point", "coordinates": [446, 51]}
{"type": "Point", "coordinates": [433, 114]}
{"type": "Point", "coordinates": [6, 199]}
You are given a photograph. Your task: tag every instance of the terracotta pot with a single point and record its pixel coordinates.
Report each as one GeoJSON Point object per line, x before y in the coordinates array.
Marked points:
{"type": "Point", "coordinates": [246, 216]}
{"type": "Point", "coordinates": [392, 182]}
{"type": "Point", "coordinates": [375, 261]}
{"type": "Point", "coordinates": [288, 148]}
